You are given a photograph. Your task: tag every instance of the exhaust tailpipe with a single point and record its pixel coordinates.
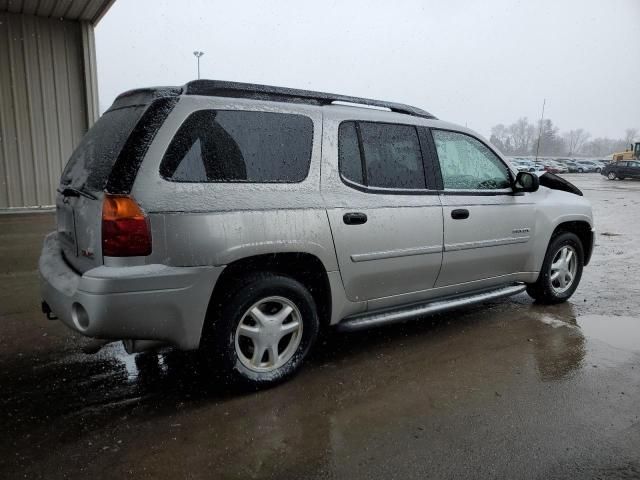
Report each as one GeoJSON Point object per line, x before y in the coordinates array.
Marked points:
{"type": "Point", "coordinates": [138, 346]}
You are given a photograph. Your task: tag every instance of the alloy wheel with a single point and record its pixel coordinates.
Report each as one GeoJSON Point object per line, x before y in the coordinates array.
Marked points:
{"type": "Point", "coordinates": [563, 269]}
{"type": "Point", "coordinates": [268, 334]}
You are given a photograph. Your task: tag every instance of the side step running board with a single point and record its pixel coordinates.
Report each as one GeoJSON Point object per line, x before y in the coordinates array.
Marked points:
{"type": "Point", "coordinates": [362, 321]}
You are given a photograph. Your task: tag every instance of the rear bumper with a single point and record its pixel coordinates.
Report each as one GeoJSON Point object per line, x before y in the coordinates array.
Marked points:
{"type": "Point", "coordinates": [149, 302]}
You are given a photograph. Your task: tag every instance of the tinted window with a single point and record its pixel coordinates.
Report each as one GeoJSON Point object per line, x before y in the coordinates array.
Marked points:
{"type": "Point", "coordinates": [349, 153]}
{"type": "Point", "coordinates": [240, 146]}
{"type": "Point", "coordinates": [392, 155]}
{"type": "Point", "coordinates": [91, 163]}
{"type": "Point", "coordinates": [467, 164]}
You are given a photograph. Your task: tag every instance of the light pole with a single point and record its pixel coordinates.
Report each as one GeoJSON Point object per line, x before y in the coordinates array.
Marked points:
{"type": "Point", "coordinates": [198, 54]}
{"type": "Point", "coordinates": [544, 101]}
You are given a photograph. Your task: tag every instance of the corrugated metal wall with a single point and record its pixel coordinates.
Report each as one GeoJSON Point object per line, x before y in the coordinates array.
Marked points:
{"type": "Point", "coordinates": [43, 104]}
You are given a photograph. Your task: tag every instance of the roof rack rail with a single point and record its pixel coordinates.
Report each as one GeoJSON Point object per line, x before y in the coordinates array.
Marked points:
{"type": "Point", "coordinates": [219, 88]}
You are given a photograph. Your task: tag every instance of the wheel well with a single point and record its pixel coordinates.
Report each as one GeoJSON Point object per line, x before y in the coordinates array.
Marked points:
{"type": "Point", "coordinates": [303, 267]}
{"type": "Point", "coordinates": [584, 233]}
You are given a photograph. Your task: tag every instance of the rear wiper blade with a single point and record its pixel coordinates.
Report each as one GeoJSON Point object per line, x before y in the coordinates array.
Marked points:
{"type": "Point", "coordinates": [76, 192]}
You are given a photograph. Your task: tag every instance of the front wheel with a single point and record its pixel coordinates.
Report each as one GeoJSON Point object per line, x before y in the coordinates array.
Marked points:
{"type": "Point", "coordinates": [612, 175]}
{"type": "Point", "coordinates": [580, 170]}
{"type": "Point", "coordinates": [561, 270]}
{"type": "Point", "coordinates": [261, 330]}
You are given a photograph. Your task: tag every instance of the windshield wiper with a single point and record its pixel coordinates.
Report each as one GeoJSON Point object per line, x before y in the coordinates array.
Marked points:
{"type": "Point", "coordinates": [75, 192]}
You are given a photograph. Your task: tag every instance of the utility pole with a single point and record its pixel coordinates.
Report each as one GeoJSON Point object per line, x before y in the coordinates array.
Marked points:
{"type": "Point", "coordinates": [198, 54]}
{"type": "Point", "coordinates": [540, 131]}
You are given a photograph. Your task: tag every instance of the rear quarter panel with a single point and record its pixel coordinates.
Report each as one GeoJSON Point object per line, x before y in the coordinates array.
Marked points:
{"type": "Point", "coordinates": [217, 223]}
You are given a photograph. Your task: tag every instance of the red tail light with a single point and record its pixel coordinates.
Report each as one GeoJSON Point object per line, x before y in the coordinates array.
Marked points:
{"type": "Point", "coordinates": [125, 228]}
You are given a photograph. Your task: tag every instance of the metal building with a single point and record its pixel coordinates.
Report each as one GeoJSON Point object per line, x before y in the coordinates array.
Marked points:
{"type": "Point", "coordinates": [48, 92]}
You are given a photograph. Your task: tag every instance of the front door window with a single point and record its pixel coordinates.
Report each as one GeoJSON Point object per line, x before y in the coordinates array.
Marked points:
{"type": "Point", "coordinates": [467, 164]}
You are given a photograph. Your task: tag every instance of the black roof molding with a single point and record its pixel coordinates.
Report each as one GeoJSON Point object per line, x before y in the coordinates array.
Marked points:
{"type": "Point", "coordinates": [219, 88]}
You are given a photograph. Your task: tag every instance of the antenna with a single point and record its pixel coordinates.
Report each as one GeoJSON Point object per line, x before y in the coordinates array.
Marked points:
{"type": "Point", "coordinates": [540, 131]}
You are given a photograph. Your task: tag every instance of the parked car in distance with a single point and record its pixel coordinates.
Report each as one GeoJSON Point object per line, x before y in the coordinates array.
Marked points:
{"type": "Point", "coordinates": [522, 166]}
{"type": "Point", "coordinates": [539, 167]}
{"type": "Point", "coordinates": [622, 169]}
{"type": "Point", "coordinates": [572, 166]}
{"type": "Point", "coordinates": [588, 166]}
{"type": "Point", "coordinates": [562, 168]}
{"type": "Point", "coordinates": [553, 167]}
{"type": "Point", "coordinates": [241, 219]}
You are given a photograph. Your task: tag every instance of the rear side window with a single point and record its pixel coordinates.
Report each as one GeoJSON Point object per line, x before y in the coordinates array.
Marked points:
{"type": "Point", "coordinates": [383, 155]}
{"type": "Point", "coordinates": [349, 151]}
{"type": "Point", "coordinates": [240, 146]}
{"type": "Point", "coordinates": [91, 163]}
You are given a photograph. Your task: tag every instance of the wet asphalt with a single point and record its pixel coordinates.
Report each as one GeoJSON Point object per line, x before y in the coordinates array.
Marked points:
{"type": "Point", "coordinates": [508, 389]}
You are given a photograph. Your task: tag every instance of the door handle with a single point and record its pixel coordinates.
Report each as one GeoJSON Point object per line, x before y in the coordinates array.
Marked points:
{"type": "Point", "coordinates": [354, 218]}
{"type": "Point", "coordinates": [459, 213]}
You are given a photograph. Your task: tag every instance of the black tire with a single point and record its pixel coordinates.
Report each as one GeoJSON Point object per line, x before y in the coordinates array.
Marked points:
{"type": "Point", "coordinates": [543, 291]}
{"type": "Point", "coordinates": [598, 170]}
{"type": "Point", "coordinates": [218, 346]}
{"type": "Point", "coordinates": [580, 170]}
{"type": "Point", "coordinates": [612, 175]}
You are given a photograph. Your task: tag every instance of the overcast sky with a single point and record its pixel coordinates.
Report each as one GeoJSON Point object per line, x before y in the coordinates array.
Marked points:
{"type": "Point", "coordinates": [470, 62]}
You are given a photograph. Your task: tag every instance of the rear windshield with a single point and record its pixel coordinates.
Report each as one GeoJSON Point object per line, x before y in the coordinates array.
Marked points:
{"type": "Point", "coordinates": [240, 146]}
{"type": "Point", "coordinates": [91, 163]}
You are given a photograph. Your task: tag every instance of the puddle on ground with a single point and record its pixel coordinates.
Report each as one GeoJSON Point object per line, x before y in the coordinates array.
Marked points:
{"type": "Point", "coordinates": [617, 331]}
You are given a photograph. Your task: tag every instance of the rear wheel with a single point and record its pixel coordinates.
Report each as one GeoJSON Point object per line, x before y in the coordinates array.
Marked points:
{"type": "Point", "coordinates": [612, 175]}
{"type": "Point", "coordinates": [580, 170]}
{"type": "Point", "coordinates": [598, 170]}
{"type": "Point", "coordinates": [561, 270]}
{"type": "Point", "coordinates": [262, 329]}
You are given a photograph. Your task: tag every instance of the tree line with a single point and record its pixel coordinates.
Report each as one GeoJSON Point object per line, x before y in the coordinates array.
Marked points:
{"type": "Point", "coordinates": [521, 138]}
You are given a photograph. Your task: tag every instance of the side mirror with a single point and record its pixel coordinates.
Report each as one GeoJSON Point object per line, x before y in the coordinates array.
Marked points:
{"type": "Point", "coordinates": [526, 182]}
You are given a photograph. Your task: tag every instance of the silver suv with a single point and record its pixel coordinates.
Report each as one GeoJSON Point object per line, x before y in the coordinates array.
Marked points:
{"type": "Point", "coordinates": [241, 219]}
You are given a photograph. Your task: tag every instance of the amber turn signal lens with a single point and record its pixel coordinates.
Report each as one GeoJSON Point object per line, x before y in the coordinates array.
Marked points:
{"type": "Point", "coordinates": [125, 228]}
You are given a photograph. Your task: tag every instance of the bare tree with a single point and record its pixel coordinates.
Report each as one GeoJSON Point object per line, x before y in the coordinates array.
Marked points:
{"type": "Point", "coordinates": [500, 138]}
{"type": "Point", "coordinates": [550, 142]}
{"type": "Point", "coordinates": [602, 147]}
{"type": "Point", "coordinates": [575, 140]}
{"type": "Point", "coordinates": [522, 133]}
{"type": "Point", "coordinates": [630, 135]}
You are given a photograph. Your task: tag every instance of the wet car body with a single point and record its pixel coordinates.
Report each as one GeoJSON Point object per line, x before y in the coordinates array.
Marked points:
{"type": "Point", "coordinates": [146, 251]}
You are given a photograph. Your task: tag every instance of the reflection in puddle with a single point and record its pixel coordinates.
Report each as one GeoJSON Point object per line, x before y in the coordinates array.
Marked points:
{"type": "Point", "coordinates": [617, 331]}
{"type": "Point", "coordinates": [564, 351]}
{"type": "Point", "coordinates": [556, 322]}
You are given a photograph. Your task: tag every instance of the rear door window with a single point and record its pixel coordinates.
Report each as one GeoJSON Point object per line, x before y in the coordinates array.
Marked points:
{"type": "Point", "coordinates": [382, 155]}
{"type": "Point", "coordinates": [240, 146]}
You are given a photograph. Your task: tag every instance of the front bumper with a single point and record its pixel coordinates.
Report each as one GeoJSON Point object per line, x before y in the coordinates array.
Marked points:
{"type": "Point", "coordinates": [148, 302]}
